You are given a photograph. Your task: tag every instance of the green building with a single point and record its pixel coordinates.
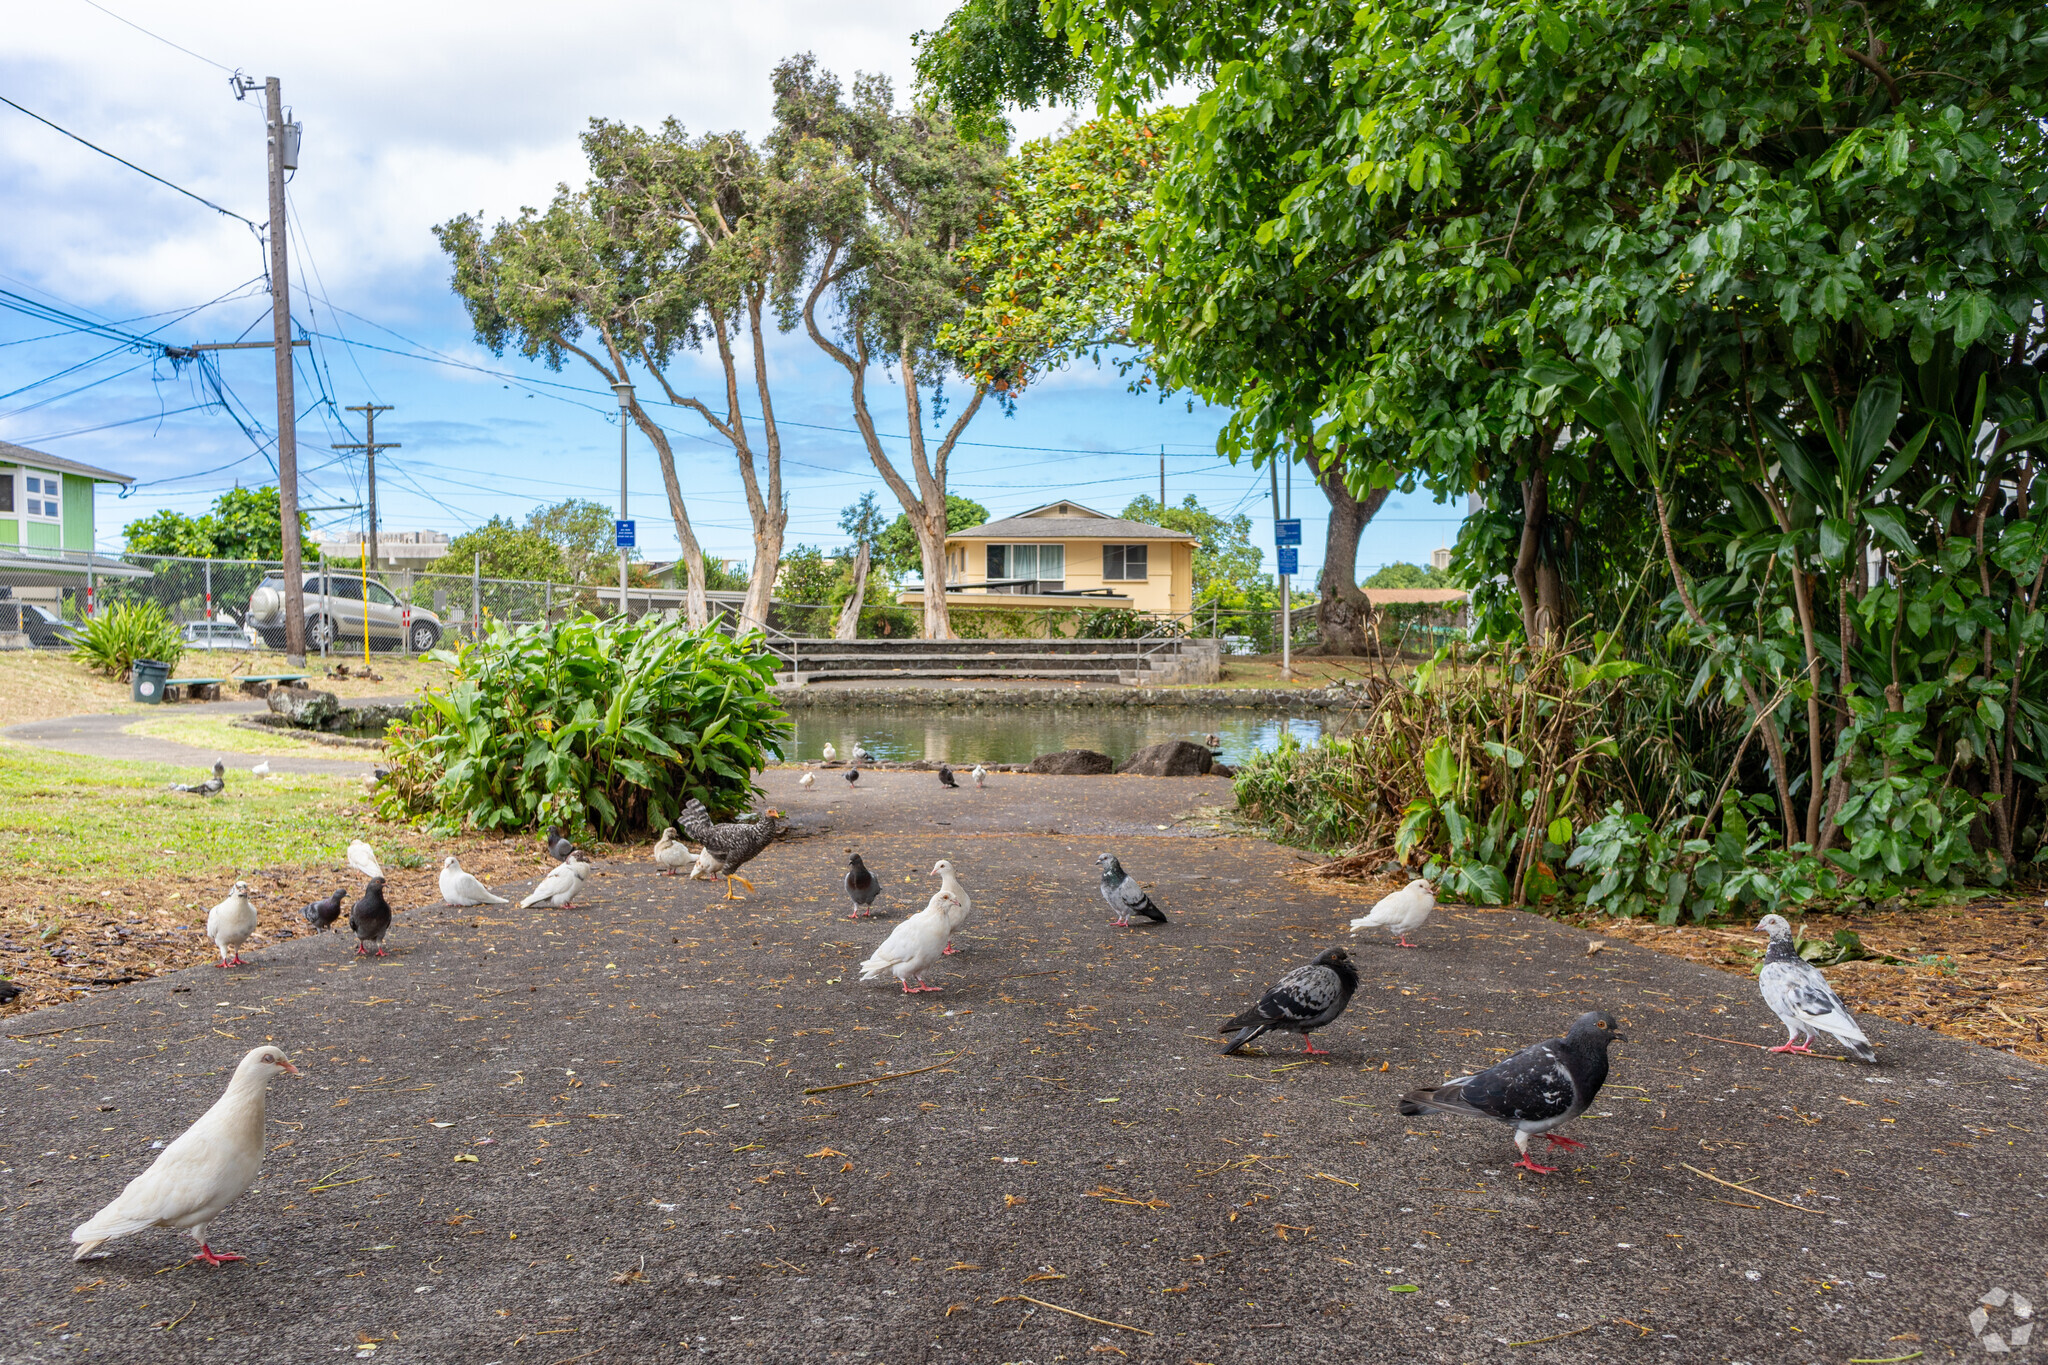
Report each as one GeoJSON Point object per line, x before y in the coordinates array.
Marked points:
{"type": "Point", "coordinates": [47, 525]}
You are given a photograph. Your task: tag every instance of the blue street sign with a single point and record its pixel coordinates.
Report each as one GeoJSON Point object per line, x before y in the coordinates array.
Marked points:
{"type": "Point", "coordinates": [1290, 559]}
{"type": "Point", "coordinates": [624, 530]}
{"type": "Point", "coordinates": [1287, 531]}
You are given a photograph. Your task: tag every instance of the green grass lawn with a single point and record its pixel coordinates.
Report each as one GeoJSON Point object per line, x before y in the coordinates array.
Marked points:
{"type": "Point", "coordinates": [67, 816]}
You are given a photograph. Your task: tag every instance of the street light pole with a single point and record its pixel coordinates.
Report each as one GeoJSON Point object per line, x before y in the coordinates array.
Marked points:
{"type": "Point", "coordinates": [625, 392]}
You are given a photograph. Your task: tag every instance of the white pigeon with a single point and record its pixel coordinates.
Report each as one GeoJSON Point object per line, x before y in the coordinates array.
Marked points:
{"type": "Point", "coordinates": [807, 781]}
{"type": "Point", "coordinates": [363, 859]}
{"type": "Point", "coordinates": [1402, 913]}
{"type": "Point", "coordinates": [912, 946]}
{"type": "Point", "coordinates": [707, 867]}
{"type": "Point", "coordinates": [959, 905]}
{"type": "Point", "coordinates": [671, 854]}
{"type": "Point", "coordinates": [230, 924]}
{"type": "Point", "coordinates": [1802, 999]}
{"type": "Point", "coordinates": [829, 752]}
{"type": "Point", "coordinates": [262, 769]}
{"type": "Point", "coordinates": [460, 888]}
{"type": "Point", "coordinates": [861, 755]}
{"type": "Point", "coordinates": [204, 1170]}
{"type": "Point", "coordinates": [980, 776]}
{"type": "Point", "coordinates": [562, 885]}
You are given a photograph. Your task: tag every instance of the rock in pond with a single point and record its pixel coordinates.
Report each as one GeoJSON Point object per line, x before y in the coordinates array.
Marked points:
{"type": "Point", "coordinates": [306, 707]}
{"type": "Point", "coordinates": [1174, 758]}
{"type": "Point", "coordinates": [1072, 763]}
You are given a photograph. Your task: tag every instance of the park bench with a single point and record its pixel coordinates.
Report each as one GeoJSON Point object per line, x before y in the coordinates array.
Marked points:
{"type": "Point", "coordinates": [208, 689]}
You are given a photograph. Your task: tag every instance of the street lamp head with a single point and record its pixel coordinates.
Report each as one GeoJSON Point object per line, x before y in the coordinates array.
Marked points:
{"type": "Point", "coordinates": [624, 390]}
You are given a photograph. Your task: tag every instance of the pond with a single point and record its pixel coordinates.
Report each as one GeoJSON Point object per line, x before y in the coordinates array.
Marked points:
{"type": "Point", "coordinates": [1018, 734]}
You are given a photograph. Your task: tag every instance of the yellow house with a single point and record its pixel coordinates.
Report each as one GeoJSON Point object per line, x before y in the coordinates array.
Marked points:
{"type": "Point", "coordinates": [1064, 556]}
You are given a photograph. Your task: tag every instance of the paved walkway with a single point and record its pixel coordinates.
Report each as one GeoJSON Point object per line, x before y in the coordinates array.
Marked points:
{"type": "Point", "coordinates": [586, 1134]}
{"type": "Point", "coordinates": [104, 736]}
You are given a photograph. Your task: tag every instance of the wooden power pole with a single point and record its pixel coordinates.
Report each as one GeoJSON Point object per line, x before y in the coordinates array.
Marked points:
{"type": "Point", "coordinates": [370, 445]}
{"type": "Point", "coordinates": [284, 156]}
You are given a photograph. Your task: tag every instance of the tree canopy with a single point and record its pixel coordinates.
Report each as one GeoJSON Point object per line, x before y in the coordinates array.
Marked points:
{"type": "Point", "coordinates": [244, 523]}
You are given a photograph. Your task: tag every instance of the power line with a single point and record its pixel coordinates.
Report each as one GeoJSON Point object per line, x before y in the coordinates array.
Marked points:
{"type": "Point", "coordinates": [159, 37]}
{"type": "Point", "coordinates": [253, 227]}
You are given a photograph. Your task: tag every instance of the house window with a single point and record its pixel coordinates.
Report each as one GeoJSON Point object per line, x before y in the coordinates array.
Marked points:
{"type": "Point", "coordinates": [42, 495]}
{"type": "Point", "coordinates": [6, 492]}
{"type": "Point", "coordinates": [1028, 568]}
{"type": "Point", "coordinates": [1123, 563]}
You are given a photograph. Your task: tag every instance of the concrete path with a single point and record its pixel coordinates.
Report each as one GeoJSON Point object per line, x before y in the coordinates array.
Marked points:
{"type": "Point", "coordinates": [585, 1134]}
{"type": "Point", "coordinates": [104, 736]}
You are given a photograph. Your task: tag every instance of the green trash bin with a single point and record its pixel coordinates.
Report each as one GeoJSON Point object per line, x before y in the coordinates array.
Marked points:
{"type": "Point", "coordinates": [146, 680]}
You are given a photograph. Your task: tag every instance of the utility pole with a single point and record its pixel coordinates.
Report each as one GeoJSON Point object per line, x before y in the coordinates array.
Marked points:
{"type": "Point", "coordinates": [624, 535]}
{"type": "Point", "coordinates": [370, 445]}
{"type": "Point", "coordinates": [1162, 479]}
{"type": "Point", "coordinates": [283, 146]}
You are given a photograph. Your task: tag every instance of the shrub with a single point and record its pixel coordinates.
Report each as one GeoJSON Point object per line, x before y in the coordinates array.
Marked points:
{"type": "Point", "coordinates": [607, 724]}
{"type": "Point", "coordinates": [1121, 623]}
{"type": "Point", "coordinates": [113, 639]}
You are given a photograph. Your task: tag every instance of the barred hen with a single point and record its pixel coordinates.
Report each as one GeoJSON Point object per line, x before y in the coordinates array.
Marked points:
{"type": "Point", "coordinates": [733, 845]}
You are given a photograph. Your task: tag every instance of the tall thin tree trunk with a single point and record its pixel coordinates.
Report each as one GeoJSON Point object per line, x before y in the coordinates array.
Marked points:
{"type": "Point", "coordinates": [1343, 612]}
{"type": "Point", "coordinates": [849, 614]}
{"type": "Point", "coordinates": [1536, 627]}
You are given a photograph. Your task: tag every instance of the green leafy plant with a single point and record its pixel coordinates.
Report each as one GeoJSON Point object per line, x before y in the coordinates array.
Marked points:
{"type": "Point", "coordinates": [113, 639]}
{"type": "Point", "coordinates": [607, 724]}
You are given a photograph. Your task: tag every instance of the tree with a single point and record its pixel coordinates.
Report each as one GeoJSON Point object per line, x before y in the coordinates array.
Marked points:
{"type": "Point", "coordinates": [244, 523]}
{"type": "Point", "coordinates": [507, 550]}
{"type": "Point", "coordinates": [1225, 558]}
{"type": "Point", "coordinates": [897, 549]}
{"type": "Point", "coordinates": [547, 281]}
{"type": "Point", "coordinates": [582, 530]}
{"type": "Point", "coordinates": [1401, 574]}
{"type": "Point", "coordinates": [887, 197]}
{"type": "Point", "coordinates": [990, 53]}
{"type": "Point", "coordinates": [863, 522]}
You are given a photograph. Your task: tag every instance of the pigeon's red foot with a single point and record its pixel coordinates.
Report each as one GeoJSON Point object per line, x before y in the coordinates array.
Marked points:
{"type": "Point", "coordinates": [1569, 1144]}
{"type": "Point", "coordinates": [950, 950]}
{"type": "Point", "coordinates": [1792, 1047]}
{"type": "Point", "coordinates": [212, 1257]}
{"type": "Point", "coordinates": [913, 990]}
{"type": "Point", "coordinates": [1310, 1049]}
{"type": "Point", "coordinates": [222, 963]}
{"type": "Point", "coordinates": [1528, 1165]}
{"type": "Point", "coordinates": [1404, 943]}
{"type": "Point", "coordinates": [236, 961]}
{"type": "Point", "coordinates": [380, 952]}
{"type": "Point", "coordinates": [361, 951]}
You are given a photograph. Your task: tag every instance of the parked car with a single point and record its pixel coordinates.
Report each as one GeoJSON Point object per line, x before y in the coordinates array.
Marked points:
{"type": "Point", "coordinates": [217, 635]}
{"type": "Point", "coordinates": [341, 614]}
{"type": "Point", "coordinates": [45, 629]}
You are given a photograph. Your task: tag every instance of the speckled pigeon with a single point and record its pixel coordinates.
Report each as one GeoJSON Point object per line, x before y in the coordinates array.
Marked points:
{"type": "Point", "coordinates": [1125, 896]}
{"type": "Point", "coordinates": [1305, 999]}
{"type": "Point", "coordinates": [862, 886]}
{"type": "Point", "coordinates": [1539, 1089]}
{"type": "Point", "coordinates": [1802, 999]}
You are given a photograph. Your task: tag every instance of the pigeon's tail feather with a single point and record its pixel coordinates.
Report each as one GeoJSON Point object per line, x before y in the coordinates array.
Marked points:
{"type": "Point", "coordinates": [1860, 1048]}
{"type": "Point", "coordinates": [1244, 1035]}
{"type": "Point", "coordinates": [1416, 1103]}
{"type": "Point", "coordinates": [1251, 1018]}
{"type": "Point", "coordinates": [1448, 1098]}
{"type": "Point", "coordinates": [1152, 912]}
{"type": "Point", "coordinates": [876, 967]}
{"type": "Point", "coordinates": [103, 1227]}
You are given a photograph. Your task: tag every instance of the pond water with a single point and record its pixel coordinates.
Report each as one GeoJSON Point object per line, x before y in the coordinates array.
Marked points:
{"type": "Point", "coordinates": [1018, 734]}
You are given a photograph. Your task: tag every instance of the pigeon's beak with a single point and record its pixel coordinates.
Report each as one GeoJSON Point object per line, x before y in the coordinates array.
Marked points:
{"type": "Point", "coordinates": [286, 1063]}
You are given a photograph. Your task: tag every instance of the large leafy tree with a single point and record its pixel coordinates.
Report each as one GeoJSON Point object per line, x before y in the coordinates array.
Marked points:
{"type": "Point", "coordinates": [243, 523]}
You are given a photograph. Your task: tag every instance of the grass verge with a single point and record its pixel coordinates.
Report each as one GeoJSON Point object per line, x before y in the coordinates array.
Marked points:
{"type": "Point", "coordinates": [221, 734]}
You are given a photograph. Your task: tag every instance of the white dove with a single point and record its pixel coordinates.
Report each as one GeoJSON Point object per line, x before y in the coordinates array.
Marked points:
{"type": "Point", "coordinates": [363, 859]}
{"type": "Point", "coordinates": [959, 905]}
{"type": "Point", "coordinates": [671, 854]}
{"type": "Point", "coordinates": [562, 885]}
{"type": "Point", "coordinates": [230, 924]}
{"type": "Point", "coordinates": [262, 769]}
{"type": "Point", "coordinates": [204, 1170]}
{"type": "Point", "coordinates": [913, 945]}
{"type": "Point", "coordinates": [980, 776]}
{"type": "Point", "coordinates": [707, 867]}
{"type": "Point", "coordinates": [807, 781]}
{"type": "Point", "coordinates": [829, 752]}
{"type": "Point", "coordinates": [460, 888]}
{"type": "Point", "coordinates": [1402, 913]}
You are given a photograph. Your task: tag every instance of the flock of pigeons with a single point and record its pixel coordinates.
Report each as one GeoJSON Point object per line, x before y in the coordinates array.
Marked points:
{"type": "Point", "coordinates": [1536, 1091]}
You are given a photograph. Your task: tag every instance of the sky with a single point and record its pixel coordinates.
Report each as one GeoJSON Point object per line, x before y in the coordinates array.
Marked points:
{"type": "Point", "coordinates": [414, 114]}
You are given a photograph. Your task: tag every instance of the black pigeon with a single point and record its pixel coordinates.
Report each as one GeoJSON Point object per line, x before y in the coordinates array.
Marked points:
{"type": "Point", "coordinates": [370, 918]}
{"type": "Point", "coordinates": [862, 886]}
{"type": "Point", "coordinates": [8, 990]}
{"type": "Point", "coordinates": [322, 914]}
{"type": "Point", "coordinates": [1123, 893]}
{"type": "Point", "coordinates": [212, 786]}
{"type": "Point", "coordinates": [558, 844]}
{"type": "Point", "coordinates": [946, 776]}
{"type": "Point", "coordinates": [1306, 999]}
{"type": "Point", "coordinates": [1539, 1089]}
{"type": "Point", "coordinates": [852, 776]}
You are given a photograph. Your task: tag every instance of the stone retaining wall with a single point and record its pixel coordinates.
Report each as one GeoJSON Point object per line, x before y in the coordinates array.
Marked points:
{"type": "Point", "coordinates": [1334, 698]}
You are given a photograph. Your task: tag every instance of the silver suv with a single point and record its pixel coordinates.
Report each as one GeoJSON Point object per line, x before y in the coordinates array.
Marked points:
{"type": "Point", "coordinates": [341, 614]}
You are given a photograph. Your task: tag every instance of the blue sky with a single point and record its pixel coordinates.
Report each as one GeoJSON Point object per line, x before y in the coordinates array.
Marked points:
{"type": "Point", "coordinates": [414, 114]}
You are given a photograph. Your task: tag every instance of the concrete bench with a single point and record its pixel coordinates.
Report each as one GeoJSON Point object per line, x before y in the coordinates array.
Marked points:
{"type": "Point", "coordinates": [208, 689]}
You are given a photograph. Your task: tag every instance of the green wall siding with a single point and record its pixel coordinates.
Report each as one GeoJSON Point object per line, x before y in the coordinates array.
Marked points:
{"type": "Point", "coordinates": [78, 507]}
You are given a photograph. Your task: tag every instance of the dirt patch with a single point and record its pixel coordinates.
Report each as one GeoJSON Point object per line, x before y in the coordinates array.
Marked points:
{"type": "Point", "coordinates": [109, 932]}
{"type": "Point", "coordinates": [39, 684]}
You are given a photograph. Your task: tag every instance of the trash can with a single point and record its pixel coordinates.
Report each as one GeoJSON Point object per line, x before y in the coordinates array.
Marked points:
{"type": "Point", "coordinates": [146, 678]}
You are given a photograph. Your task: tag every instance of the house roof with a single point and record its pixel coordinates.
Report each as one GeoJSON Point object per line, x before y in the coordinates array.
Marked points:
{"type": "Point", "coordinates": [1093, 526]}
{"type": "Point", "coordinates": [13, 454]}
{"type": "Point", "coordinates": [1396, 597]}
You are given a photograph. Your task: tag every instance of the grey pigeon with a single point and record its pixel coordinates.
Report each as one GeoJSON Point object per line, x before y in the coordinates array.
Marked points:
{"type": "Point", "coordinates": [946, 776]}
{"type": "Point", "coordinates": [852, 775]}
{"type": "Point", "coordinates": [322, 914]}
{"type": "Point", "coordinates": [1539, 1089]}
{"type": "Point", "coordinates": [862, 887]}
{"type": "Point", "coordinates": [1125, 896]}
{"type": "Point", "coordinates": [861, 755]}
{"type": "Point", "coordinates": [1802, 999]}
{"type": "Point", "coordinates": [370, 918]}
{"type": "Point", "coordinates": [212, 786]}
{"type": "Point", "coordinates": [558, 844]}
{"type": "Point", "coordinates": [1305, 999]}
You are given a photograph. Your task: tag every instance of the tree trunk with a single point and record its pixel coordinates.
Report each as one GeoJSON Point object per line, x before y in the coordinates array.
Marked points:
{"type": "Point", "coordinates": [849, 614]}
{"type": "Point", "coordinates": [696, 608]}
{"type": "Point", "coordinates": [1537, 622]}
{"type": "Point", "coordinates": [1343, 612]}
{"type": "Point", "coordinates": [767, 566]}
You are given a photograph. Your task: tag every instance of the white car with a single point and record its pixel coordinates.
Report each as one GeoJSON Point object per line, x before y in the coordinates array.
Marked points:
{"type": "Point", "coordinates": [217, 635]}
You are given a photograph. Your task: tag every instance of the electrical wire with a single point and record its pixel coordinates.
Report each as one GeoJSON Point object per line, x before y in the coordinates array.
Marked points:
{"type": "Point", "coordinates": [159, 37]}
{"type": "Point", "coordinates": [167, 184]}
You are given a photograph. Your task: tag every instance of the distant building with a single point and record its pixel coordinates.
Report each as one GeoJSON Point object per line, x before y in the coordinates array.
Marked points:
{"type": "Point", "coordinates": [46, 535]}
{"type": "Point", "coordinates": [1440, 559]}
{"type": "Point", "coordinates": [1064, 555]}
{"type": "Point", "coordinates": [397, 551]}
